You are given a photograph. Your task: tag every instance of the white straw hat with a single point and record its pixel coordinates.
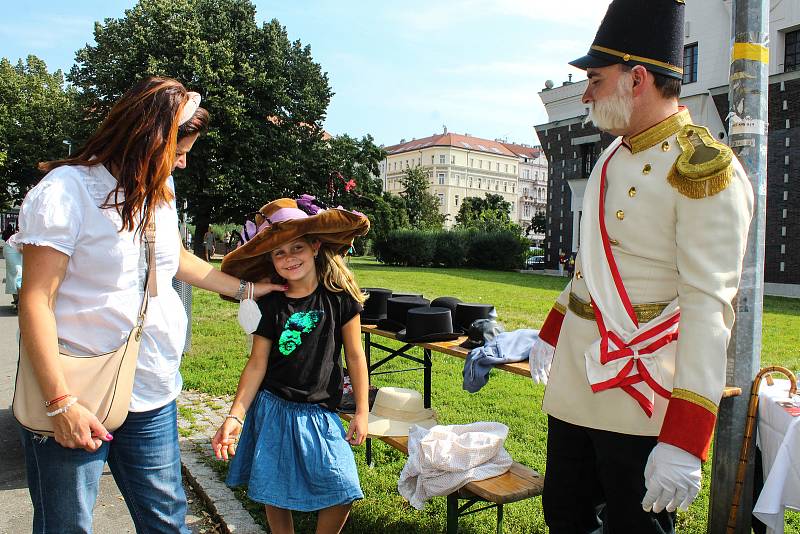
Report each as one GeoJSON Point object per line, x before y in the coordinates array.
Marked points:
{"type": "Point", "coordinates": [397, 409]}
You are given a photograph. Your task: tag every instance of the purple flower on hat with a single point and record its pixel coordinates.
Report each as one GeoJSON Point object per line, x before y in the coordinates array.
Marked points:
{"type": "Point", "coordinates": [308, 204]}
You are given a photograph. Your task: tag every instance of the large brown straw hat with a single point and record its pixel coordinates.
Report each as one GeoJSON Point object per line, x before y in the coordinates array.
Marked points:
{"type": "Point", "coordinates": [283, 221]}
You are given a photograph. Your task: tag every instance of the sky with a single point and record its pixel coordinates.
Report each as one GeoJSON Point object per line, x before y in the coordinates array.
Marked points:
{"type": "Point", "coordinates": [399, 70]}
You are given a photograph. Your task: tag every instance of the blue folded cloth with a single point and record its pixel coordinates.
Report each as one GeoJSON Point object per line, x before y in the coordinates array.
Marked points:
{"type": "Point", "coordinates": [506, 347]}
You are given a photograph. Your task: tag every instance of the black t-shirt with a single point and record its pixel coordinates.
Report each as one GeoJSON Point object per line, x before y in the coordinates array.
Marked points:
{"type": "Point", "coordinates": [305, 362]}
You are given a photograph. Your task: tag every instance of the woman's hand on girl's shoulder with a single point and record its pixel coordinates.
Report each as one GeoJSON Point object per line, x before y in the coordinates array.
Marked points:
{"type": "Point", "coordinates": [224, 441]}
{"type": "Point", "coordinates": [357, 432]}
{"type": "Point", "coordinates": [262, 288]}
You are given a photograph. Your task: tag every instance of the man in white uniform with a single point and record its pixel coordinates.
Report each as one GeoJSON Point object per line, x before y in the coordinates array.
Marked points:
{"type": "Point", "coordinates": [638, 338]}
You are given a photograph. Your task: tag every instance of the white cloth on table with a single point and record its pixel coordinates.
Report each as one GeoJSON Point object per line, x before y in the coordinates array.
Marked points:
{"type": "Point", "coordinates": [779, 441]}
{"type": "Point", "coordinates": [99, 298]}
{"type": "Point", "coordinates": [445, 458]}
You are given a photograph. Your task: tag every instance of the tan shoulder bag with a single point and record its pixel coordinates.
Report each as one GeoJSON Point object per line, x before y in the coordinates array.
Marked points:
{"type": "Point", "coordinates": [103, 383]}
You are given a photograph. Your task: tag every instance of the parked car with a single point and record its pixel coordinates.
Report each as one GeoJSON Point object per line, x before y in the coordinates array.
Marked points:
{"type": "Point", "coordinates": [535, 262]}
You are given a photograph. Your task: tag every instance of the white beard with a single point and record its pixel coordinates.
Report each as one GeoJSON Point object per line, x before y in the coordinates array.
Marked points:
{"type": "Point", "coordinates": [613, 112]}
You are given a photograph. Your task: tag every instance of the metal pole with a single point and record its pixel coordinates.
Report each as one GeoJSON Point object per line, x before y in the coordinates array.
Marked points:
{"type": "Point", "coordinates": [747, 128]}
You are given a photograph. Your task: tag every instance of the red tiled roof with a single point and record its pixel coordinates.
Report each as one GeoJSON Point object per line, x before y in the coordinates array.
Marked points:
{"type": "Point", "coordinates": [465, 142]}
{"type": "Point", "coordinates": [526, 151]}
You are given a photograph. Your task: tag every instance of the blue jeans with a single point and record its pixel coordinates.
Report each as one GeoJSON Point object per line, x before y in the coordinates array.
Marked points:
{"type": "Point", "coordinates": [144, 458]}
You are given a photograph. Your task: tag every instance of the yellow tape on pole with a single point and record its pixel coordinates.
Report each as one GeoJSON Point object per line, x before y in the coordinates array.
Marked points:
{"type": "Point", "coordinates": [751, 51]}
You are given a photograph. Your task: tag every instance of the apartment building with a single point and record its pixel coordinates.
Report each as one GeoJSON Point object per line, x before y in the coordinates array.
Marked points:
{"type": "Point", "coordinates": [532, 192]}
{"type": "Point", "coordinates": [571, 148]}
{"type": "Point", "coordinates": [458, 166]}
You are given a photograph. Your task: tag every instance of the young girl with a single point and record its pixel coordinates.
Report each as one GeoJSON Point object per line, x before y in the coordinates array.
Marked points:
{"type": "Point", "coordinates": [293, 453]}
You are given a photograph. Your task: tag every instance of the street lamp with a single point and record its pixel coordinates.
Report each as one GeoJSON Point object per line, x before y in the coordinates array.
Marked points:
{"type": "Point", "coordinates": [69, 146]}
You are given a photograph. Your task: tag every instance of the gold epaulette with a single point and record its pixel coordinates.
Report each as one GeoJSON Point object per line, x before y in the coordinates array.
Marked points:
{"type": "Point", "coordinates": [704, 167]}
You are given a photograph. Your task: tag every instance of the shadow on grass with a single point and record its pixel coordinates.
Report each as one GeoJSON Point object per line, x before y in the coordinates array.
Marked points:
{"type": "Point", "coordinates": [482, 275]}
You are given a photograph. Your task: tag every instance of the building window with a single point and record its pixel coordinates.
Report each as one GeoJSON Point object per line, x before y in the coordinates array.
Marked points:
{"type": "Point", "coordinates": [480, 163]}
{"type": "Point", "coordinates": [690, 63]}
{"type": "Point", "coordinates": [441, 199]}
{"type": "Point", "coordinates": [452, 160]}
{"type": "Point", "coordinates": [526, 173]}
{"type": "Point", "coordinates": [506, 167]}
{"type": "Point", "coordinates": [433, 159]}
{"type": "Point", "coordinates": [792, 59]}
{"type": "Point", "coordinates": [480, 180]}
{"type": "Point", "coordinates": [497, 167]}
{"type": "Point", "coordinates": [470, 181]}
{"type": "Point", "coordinates": [456, 200]}
{"type": "Point", "coordinates": [524, 191]}
{"type": "Point", "coordinates": [442, 159]}
{"type": "Point", "coordinates": [471, 162]}
{"type": "Point", "coordinates": [441, 178]}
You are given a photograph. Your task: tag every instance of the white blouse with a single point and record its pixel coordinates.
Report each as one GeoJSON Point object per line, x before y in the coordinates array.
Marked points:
{"type": "Point", "coordinates": [102, 290]}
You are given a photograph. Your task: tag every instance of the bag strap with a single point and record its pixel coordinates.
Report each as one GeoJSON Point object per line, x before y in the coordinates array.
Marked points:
{"type": "Point", "coordinates": [150, 285]}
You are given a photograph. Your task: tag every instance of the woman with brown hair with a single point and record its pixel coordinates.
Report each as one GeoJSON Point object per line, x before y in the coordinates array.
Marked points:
{"type": "Point", "coordinates": [83, 227]}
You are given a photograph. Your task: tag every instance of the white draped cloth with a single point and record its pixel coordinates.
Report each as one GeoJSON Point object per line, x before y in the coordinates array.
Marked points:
{"type": "Point", "coordinates": [779, 441]}
{"type": "Point", "coordinates": [445, 458]}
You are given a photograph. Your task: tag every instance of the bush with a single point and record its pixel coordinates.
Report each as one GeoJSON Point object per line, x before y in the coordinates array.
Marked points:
{"type": "Point", "coordinates": [412, 248]}
{"type": "Point", "coordinates": [451, 248]}
{"type": "Point", "coordinates": [497, 250]}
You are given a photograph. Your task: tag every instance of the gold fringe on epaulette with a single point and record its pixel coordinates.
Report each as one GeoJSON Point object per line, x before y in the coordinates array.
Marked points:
{"type": "Point", "coordinates": [702, 187]}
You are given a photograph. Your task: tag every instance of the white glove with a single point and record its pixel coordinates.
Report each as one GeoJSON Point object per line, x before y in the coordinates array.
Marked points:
{"type": "Point", "coordinates": [672, 478]}
{"type": "Point", "coordinates": [539, 360]}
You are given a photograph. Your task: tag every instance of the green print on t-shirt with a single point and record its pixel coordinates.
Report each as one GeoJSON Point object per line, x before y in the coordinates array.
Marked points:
{"type": "Point", "coordinates": [298, 323]}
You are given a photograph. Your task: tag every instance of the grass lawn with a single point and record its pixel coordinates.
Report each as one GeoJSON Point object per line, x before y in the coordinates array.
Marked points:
{"type": "Point", "coordinates": [219, 350]}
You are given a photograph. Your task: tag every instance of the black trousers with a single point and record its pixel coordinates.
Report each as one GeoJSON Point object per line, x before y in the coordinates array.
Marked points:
{"type": "Point", "coordinates": [594, 482]}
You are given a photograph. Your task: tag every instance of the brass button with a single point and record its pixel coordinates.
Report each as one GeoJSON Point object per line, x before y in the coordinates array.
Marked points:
{"type": "Point", "coordinates": [578, 275]}
{"type": "Point", "coordinates": [665, 146]}
{"type": "Point", "coordinates": [626, 57]}
{"type": "Point", "coordinates": [647, 169]}
{"type": "Point", "coordinates": [620, 214]}
{"type": "Point", "coordinates": [632, 192]}
{"type": "Point", "coordinates": [613, 241]}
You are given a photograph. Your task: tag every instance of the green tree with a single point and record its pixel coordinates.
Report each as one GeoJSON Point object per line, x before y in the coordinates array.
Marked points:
{"type": "Point", "coordinates": [266, 96]}
{"type": "Point", "coordinates": [37, 113]}
{"type": "Point", "coordinates": [351, 166]}
{"type": "Point", "coordinates": [538, 224]}
{"type": "Point", "coordinates": [422, 207]}
{"type": "Point", "coordinates": [490, 213]}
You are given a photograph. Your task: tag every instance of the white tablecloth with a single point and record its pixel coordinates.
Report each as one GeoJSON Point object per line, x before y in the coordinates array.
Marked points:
{"type": "Point", "coordinates": [779, 441]}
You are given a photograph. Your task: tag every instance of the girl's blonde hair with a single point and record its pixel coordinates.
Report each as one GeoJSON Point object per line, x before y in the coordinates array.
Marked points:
{"type": "Point", "coordinates": [333, 273]}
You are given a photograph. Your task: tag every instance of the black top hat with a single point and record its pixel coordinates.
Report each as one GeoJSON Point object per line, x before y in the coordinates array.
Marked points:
{"type": "Point", "coordinates": [427, 325]}
{"type": "Point", "coordinates": [418, 295]}
{"type": "Point", "coordinates": [637, 32]}
{"type": "Point", "coordinates": [467, 312]}
{"type": "Point", "coordinates": [375, 305]}
{"type": "Point", "coordinates": [446, 302]}
{"type": "Point", "coordinates": [481, 331]}
{"type": "Point", "coordinates": [396, 310]}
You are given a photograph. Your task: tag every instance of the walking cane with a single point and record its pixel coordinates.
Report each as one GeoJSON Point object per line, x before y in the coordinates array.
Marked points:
{"type": "Point", "coordinates": [748, 434]}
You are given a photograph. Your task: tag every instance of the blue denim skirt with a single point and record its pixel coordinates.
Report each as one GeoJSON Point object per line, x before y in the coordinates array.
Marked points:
{"type": "Point", "coordinates": [293, 455]}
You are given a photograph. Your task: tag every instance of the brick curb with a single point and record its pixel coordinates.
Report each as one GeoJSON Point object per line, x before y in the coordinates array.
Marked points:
{"type": "Point", "coordinates": [199, 416]}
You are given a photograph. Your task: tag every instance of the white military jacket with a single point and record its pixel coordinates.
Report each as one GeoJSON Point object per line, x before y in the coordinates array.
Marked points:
{"type": "Point", "coordinates": [677, 211]}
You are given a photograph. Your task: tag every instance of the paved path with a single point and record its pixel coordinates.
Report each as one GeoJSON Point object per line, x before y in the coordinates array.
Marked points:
{"type": "Point", "coordinates": [111, 514]}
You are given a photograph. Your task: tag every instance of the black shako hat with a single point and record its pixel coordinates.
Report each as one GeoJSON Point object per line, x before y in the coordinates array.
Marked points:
{"type": "Point", "coordinates": [639, 32]}
{"type": "Point", "coordinates": [466, 312]}
{"type": "Point", "coordinates": [375, 305]}
{"type": "Point", "coordinates": [428, 325]}
{"type": "Point", "coordinates": [396, 311]}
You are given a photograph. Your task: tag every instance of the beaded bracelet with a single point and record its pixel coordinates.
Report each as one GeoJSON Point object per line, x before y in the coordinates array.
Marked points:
{"type": "Point", "coordinates": [57, 399]}
{"type": "Point", "coordinates": [63, 409]}
{"type": "Point", "coordinates": [238, 420]}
